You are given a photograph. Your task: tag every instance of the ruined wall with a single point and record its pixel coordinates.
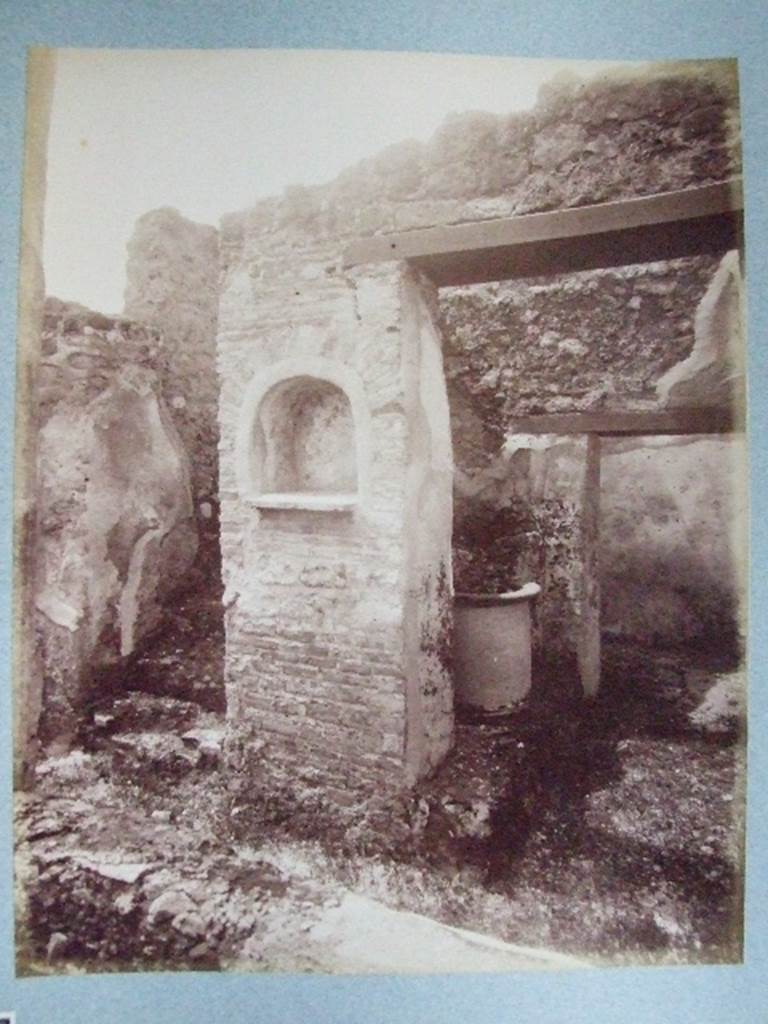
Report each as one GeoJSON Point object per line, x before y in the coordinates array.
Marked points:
{"type": "Point", "coordinates": [318, 644]}
{"type": "Point", "coordinates": [622, 135]}
{"type": "Point", "coordinates": [115, 529]}
{"type": "Point", "coordinates": [628, 134]}
{"type": "Point", "coordinates": [598, 339]}
{"type": "Point", "coordinates": [173, 284]}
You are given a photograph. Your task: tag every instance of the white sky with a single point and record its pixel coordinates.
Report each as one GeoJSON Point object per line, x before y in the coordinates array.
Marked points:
{"type": "Point", "coordinates": [210, 132]}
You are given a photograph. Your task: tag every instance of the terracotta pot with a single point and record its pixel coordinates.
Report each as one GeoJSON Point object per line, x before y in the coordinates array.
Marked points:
{"type": "Point", "coordinates": [492, 648]}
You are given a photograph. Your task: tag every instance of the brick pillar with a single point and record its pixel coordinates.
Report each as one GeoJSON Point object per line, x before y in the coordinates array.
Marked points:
{"type": "Point", "coordinates": [336, 477]}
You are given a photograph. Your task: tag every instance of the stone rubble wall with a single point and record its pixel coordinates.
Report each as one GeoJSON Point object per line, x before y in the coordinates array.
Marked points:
{"type": "Point", "coordinates": [636, 337]}
{"type": "Point", "coordinates": [626, 134]}
{"type": "Point", "coordinates": [599, 339]}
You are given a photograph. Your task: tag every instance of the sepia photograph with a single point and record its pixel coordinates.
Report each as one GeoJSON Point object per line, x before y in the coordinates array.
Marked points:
{"type": "Point", "coordinates": [381, 566]}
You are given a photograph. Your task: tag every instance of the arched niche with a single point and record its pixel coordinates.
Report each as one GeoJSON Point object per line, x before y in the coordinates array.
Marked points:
{"type": "Point", "coordinates": [303, 437]}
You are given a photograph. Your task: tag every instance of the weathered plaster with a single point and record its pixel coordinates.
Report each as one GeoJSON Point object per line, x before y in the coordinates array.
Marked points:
{"type": "Point", "coordinates": [714, 372]}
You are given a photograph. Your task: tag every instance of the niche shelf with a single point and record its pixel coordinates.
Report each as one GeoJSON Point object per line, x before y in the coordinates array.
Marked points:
{"type": "Point", "coordinates": [304, 500]}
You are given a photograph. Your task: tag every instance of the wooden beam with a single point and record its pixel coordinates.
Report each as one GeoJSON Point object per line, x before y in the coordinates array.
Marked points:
{"type": "Point", "coordinates": [684, 223]}
{"type": "Point", "coordinates": [642, 423]}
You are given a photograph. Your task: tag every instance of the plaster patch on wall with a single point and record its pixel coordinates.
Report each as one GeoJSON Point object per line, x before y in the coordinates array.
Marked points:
{"type": "Point", "coordinates": [714, 372]}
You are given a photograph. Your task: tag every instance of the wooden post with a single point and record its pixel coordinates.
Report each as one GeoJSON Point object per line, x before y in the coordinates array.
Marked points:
{"type": "Point", "coordinates": [588, 630]}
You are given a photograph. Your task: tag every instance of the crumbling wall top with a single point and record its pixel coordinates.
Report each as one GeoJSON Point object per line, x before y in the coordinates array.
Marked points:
{"type": "Point", "coordinates": [635, 132]}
